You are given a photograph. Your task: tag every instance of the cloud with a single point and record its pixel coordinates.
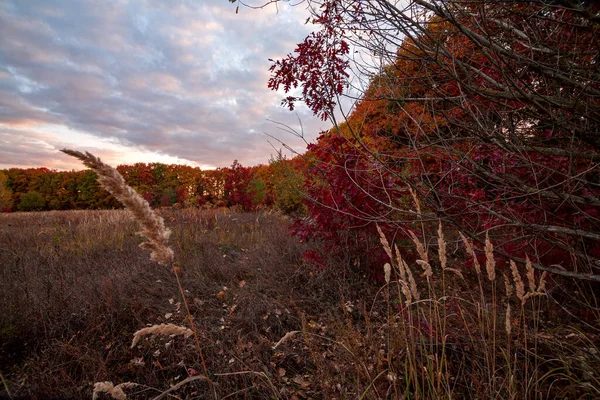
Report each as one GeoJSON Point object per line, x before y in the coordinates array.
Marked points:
{"type": "Point", "coordinates": [184, 81]}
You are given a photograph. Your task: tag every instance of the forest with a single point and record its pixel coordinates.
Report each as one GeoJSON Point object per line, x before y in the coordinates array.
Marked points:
{"type": "Point", "coordinates": [246, 188]}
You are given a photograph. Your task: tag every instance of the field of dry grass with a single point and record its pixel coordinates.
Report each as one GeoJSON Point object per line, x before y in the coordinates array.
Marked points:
{"type": "Point", "coordinates": [75, 287]}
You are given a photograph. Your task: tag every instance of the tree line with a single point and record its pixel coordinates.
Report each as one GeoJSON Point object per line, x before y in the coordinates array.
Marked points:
{"type": "Point", "coordinates": [277, 184]}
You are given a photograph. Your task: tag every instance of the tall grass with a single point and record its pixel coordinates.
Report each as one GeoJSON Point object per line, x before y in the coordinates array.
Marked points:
{"type": "Point", "coordinates": [451, 332]}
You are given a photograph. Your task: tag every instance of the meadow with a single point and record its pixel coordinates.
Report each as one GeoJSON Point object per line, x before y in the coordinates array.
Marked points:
{"type": "Point", "coordinates": [75, 287]}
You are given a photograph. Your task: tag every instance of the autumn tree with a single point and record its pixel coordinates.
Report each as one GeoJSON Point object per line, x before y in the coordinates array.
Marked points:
{"type": "Point", "coordinates": [487, 110]}
{"type": "Point", "coordinates": [238, 186]}
{"type": "Point", "coordinates": [6, 200]}
{"type": "Point", "coordinates": [288, 180]}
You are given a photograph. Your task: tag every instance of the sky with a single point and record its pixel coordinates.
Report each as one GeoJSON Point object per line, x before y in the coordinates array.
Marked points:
{"type": "Point", "coordinates": [177, 82]}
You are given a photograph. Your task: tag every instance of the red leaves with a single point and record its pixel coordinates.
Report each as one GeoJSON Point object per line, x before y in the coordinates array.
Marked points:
{"type": "Point", "coordinates": [480, 112]}
{"type": "Point", "coordinates": [237, 186]}
{"type": "Point", "coordinates": [318, 65]}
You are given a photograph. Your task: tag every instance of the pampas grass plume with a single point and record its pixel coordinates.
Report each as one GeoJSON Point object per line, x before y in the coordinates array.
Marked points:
{"type": "Point", "coordinates": [471, 251]}
{"type": "Point", "coordinates": [387, 272]}
{"type": "Point", "coordinates": [542, 286]}
{"type": "Point", "coordinates": [385, 243]}
{"type": "Point", "coordinates": [420, 247]}
{"type": "Point", "coordinates": [153, 226]}
{"type": "Point", "coordinates": [409, 285]}
{"type": "Point", "coordinates": [162, 330]}
{"type": "Point", "coordinates": [490, 263]}
{"type": "Point", "coordinates": [508, 286]}
{"type": "Point", "coordinates": [442, 247]}
{"type": "Point", "coordinates": [116, 392]}
{"type": "Point", "coordinates": [519, 285]}
{"type": "Point", "coordinates": [530, 275]}
{"type": "Point", "coordinates": [427, 272]}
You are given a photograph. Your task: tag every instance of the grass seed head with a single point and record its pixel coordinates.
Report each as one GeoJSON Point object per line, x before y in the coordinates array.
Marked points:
{"type": "Point", "coordinates": [530, 275]}
{"type": "Point", "coordinates": [542, 286]}
{"type": "Point", "coordinates": [507, 321]}
{"type": "Point", "coordinates": [401, 265]}
{"type": "Point", "coordinates": [153, 226]}
{"type": "Point", "coordinates": [387, 272]}
{"type": "Point", "coordinates": [490, 262]}
{"type": "Point", "coordinates": [420, 247]}
{"type": "Point", "coordinates": [519, 285]}
{"type": "Point", "coordinates": [427, 272]}
{"type": "Point", "coordinates": [442, 247]}
{"type": "Point", "coordinates": [385, 243]}
{"type": "Point", "coordinates": [508, 286]}
{"type": "Point", "coordinates": [162, 330]}
{"type": "Point", "coordinates": [470, 250]}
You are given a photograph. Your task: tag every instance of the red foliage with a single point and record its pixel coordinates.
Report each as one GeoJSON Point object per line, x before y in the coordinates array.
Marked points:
{"type": "Point", "coordinates": [347, 193]}
{"type": "Point", "coordinates": [319, 64]}
{"type": "Point", "coordinates": [237, 186]}
{"type": "Point", "coordinates": [481, 114]}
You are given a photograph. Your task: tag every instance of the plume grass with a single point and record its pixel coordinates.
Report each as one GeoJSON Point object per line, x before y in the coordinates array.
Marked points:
{"type": "Point", "coordinates": [153, 226]}
{"type": "Point", "coordinates": [161, 330]}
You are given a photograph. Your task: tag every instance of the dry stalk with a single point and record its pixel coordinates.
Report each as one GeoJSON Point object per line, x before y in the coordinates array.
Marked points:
{"type": "Point", "coordinates": [285, 338]}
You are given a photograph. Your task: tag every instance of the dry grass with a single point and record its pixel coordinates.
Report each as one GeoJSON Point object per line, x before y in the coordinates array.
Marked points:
{"type": "Point", "coordinates": [75, 287]}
